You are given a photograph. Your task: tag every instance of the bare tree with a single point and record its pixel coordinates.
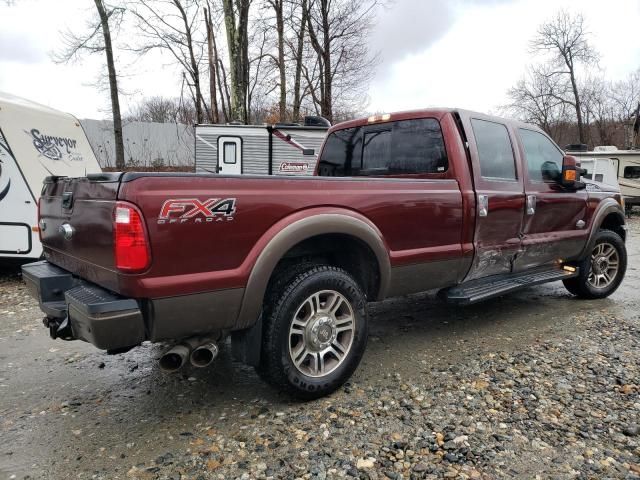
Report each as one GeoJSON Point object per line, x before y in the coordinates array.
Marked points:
{"type": "Point", "coordinates": [278, 9]}
{"type": "Point", "coordinates": [170, 25]}
{"type": "Point", "coordinates": [261, 73]}
{"type": "Point", "coordinates": [212, 50]}
{"type": "Point", "coordinates": [298, 24]}
{"type": "Point", "coordinates": [538, 98]}
{"type": "Point", "coordinates": [155, 109]}
{"type": "Point", "coordinates": [565, 39]}
{"type": "Point", "coordinates": [625, 95]}
{"type": "Point", "coordinates": [98, 40]}
{"type": "Point", "coordinates": [236, 21]}
{"type": "Point", "coordinates": [337, 29]}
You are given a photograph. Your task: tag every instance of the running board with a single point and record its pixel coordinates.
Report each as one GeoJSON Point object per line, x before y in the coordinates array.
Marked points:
{"type": "Point", "coordinates": [485, 288]}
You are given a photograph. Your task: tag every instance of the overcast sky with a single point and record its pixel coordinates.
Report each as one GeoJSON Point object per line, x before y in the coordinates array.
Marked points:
{"type": "Point", "coordinates": [463, 53]}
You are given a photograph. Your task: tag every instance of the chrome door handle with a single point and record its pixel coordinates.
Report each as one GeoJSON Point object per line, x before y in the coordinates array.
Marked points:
{"type": "Point", "coordinates": [531, 204]}
{"type": "Point", "coordinates": [483, 205]}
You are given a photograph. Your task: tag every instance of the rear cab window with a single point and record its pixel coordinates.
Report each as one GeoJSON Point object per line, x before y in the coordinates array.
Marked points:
{"type": "Point", "coordinates": [405, 147]}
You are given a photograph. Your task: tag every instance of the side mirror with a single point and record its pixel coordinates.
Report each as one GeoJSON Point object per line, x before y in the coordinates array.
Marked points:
{"type": "Point", "coordinates": [571, 174]}
{"type": "Point", "coordinates": [308, 151]}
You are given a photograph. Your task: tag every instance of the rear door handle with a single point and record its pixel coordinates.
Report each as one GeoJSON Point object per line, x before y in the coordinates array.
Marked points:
{"type": "Point", "coordinates": [531, 204]}
{"type": "Point", "coordinates": [483, 205]}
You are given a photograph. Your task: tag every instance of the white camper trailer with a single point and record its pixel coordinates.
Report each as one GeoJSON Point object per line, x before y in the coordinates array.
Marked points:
{"type": "Point", "coordinates": [627, 166]}
{"type": "Point", "coordinates": [258, 149]}
{"type": "Point", "coordinates": [602, 170]}
{"type": "Point", "coordinates": [35, 141]}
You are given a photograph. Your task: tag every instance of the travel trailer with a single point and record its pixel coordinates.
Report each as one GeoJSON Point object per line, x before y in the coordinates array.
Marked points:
{"type": "Point", "coordinates": [627, 167]}
{"type": "Point", "coordinates": [602, 170]}
{"type": "Point", "coordinates": [35, 142]}
{"type": "Point", "coordinates": [281, 149]}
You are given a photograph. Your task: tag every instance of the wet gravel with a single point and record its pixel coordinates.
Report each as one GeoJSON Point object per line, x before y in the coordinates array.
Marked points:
{"type": "Point", "coordinates": [533, 385]}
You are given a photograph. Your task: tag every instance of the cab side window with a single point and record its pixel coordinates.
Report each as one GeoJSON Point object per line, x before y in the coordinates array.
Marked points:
{"type": "Point", "coordinates": [341, 154]}
{"type": "Point", "coordinates": [494, 150]}
{"type": "Point", "coordinates": [544, 159]}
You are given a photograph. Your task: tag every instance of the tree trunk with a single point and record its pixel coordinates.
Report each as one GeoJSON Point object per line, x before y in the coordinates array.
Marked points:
{"type": "Point", "coordinates": [195, 72]}
{"type": "Point", "coordinates": [113, 85]}
{"type": "Point", "coordinates": [323, 52]}
{"type": "Point", "coordinates": [327, 94]}
{"type": "Point", "coordinates": [576, 96]}
{"type": "Point", "coordinates": [238, 45]}
{"type": "Point", "coordinates": [297, 96]}
{"type": "Point", "coordinates": [278, 7]}
{"type": "Point", "coordinates": [223, 88]}
{"type": "Point", "coordinates": [215, 117]}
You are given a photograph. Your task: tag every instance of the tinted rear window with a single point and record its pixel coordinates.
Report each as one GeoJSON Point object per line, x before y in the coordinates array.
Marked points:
{"type": "Point", "coordinates": [395, 148]}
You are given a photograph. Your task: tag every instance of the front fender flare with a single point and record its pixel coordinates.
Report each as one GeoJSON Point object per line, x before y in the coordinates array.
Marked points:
{"type": "Point", "coordinates": [606, 207]}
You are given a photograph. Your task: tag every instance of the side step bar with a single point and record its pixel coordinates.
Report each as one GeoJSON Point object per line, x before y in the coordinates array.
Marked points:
{"type": "Point", "coordinates": [485, 288]}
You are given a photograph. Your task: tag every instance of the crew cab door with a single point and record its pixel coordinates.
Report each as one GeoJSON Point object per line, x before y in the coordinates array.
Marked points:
{"type": "Point", "coordinates": [499, 197]}
{"type": "Point", "coordinates": [555, 218]}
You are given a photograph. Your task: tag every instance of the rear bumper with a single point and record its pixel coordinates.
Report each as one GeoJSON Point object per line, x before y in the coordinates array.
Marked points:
{"type": "Point", "coordinates": [80, 310]}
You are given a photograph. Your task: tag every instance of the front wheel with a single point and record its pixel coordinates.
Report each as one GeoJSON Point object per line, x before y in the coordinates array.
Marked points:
{"type": "Point", "coordinates": [315, 334]}
{"type": "Point", "coordinates": [602, 271]}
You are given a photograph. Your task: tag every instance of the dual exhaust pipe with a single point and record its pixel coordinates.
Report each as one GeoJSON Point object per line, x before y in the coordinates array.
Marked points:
{"type": "Point", "coordinates": [200, 352]}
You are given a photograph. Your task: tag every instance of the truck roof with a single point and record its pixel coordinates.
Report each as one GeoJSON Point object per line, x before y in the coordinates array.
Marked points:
{"type": "Point", "coordinates": [436, 112]}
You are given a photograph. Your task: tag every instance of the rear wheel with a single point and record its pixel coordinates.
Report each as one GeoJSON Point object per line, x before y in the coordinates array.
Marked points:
{"type": "Point", "coordinates": [315, 334]}
{"type": "Point", "coordinates": [602, 271]}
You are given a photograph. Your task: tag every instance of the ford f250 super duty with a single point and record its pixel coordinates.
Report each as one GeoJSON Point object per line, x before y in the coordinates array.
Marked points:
{"type": "Point", "coordinates": [472, 205]}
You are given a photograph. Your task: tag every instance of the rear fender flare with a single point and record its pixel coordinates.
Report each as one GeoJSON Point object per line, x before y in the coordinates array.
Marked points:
{"type": "Point", "coordinates": [310, 225]}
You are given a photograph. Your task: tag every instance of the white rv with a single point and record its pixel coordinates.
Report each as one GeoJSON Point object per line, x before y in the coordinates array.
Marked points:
{"type": "Point", "coordinates": [259, 149]}
{"type": "Point", "coordinates": [627, 166]}
{"type": "Point", "coordinates": [35, 141]}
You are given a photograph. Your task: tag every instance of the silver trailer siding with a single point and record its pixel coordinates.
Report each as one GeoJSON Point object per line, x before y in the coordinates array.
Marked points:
{"type": "Point", "coordinates": [258, 149]}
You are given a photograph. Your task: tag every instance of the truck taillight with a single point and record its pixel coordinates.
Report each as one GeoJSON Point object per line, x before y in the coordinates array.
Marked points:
{"type": "Point", "coordinates": [131, 248]}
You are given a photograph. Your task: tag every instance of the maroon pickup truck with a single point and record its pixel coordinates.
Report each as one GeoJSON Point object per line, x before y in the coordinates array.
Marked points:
{"type": "Point", "coordinates": [472, 205]}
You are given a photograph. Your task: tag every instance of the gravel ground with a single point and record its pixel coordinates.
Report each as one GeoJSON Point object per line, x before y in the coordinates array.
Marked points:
{"type": "Point", "coordinates": [532, 385]}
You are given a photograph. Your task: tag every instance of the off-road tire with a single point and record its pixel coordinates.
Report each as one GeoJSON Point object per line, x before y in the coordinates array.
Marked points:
{"type": "Point", "coordinates": [276, 365]}
{"type": "Point", "coordinates": [580, 285]}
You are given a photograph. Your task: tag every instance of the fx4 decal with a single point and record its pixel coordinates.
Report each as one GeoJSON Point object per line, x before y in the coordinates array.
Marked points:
{"type": "Point", "coordinates": [182, 210]}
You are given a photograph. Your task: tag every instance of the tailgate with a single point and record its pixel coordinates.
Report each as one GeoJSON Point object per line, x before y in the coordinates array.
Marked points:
{"type": "Point", "coordinates": [76, 223]}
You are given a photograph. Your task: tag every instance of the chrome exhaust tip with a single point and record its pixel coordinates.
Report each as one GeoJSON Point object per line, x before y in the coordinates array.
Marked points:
{"type": "Point", "coordinates": [203, 355]}
{"type": "Point", "coordinates": [174, 359]}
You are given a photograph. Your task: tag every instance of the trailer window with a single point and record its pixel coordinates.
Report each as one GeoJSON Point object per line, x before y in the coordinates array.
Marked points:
{"type": "Point", "coordinates": [229, 152]}
{"type": "Point", "coordinates": [631, 172]}
{"type": "Point", "coordinates": [406, 147]}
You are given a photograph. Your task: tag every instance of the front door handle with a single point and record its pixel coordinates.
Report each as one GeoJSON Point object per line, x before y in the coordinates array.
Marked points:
{"type": "Point", "coordinates": [531, 204]}
{"type": "Point", "coordinates": [483, 205]}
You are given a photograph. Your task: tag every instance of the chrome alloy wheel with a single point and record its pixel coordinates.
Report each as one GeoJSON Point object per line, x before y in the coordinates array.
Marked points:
{"type": "Point", "coordinates": [321, 334]}
{"type": "Point", "coordinates": [604, 265]}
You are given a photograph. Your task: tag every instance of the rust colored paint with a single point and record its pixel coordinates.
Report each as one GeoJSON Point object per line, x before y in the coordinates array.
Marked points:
{"type": "Point", "coordinates": [220, 254]}
{"type": "Point", "coordinates": [420, 219]}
